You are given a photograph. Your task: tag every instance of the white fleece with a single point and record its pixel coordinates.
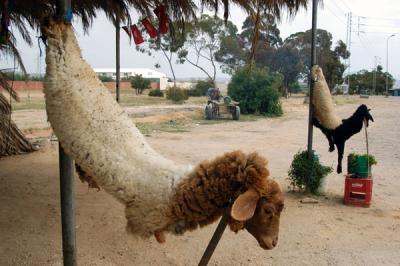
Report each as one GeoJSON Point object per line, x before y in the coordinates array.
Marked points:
{"type": "Point", "coordinates": [96, 132]}
{"type": "Point", "coordinates": [324, 109]}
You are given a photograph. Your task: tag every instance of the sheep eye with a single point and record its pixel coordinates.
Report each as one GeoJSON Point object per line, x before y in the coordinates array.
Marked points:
{"type": "Point", "coordinates": [268, 211]}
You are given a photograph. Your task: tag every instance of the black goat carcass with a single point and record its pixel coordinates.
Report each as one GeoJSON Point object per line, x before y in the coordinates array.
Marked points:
{"type": "Point", "coordinates": [344, 131]}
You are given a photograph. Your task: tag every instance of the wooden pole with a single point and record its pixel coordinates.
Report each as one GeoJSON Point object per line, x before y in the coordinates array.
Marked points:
{"type": "Point", "coordinates": [313, 62]}
{"type": "Point", "coordinates": [215, 238]}
{"type": "Point", "coordinates": [117, 57]}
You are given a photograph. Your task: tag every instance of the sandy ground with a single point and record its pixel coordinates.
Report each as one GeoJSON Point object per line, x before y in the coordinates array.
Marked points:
{"type": "Point", "coordinates": [327, 233]}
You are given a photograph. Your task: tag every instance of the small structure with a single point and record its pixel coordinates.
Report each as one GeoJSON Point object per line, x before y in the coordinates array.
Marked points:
{"type": "Point", "coordinates": [147, 73]}
{"type": "Point", "coordinates": [394, 92]}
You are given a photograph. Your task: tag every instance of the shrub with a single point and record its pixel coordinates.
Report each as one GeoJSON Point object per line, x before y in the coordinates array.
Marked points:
{"type": "Point", "coordinates": [105, 78]}
{"type": "Point", "coordinates": [257, 90]}
{"type": "Point", "coordinates": [177, 95]}
{"type": "Point", "coordinates": [139, 83]}
{"type": "Point", "coordinates": [294, 87]}
{"type": "Point", "coordinates": [156, 93]}
{"type": "Point", "coordinates": [201, 88]}
{"type": "Point", "coordinates": [307, 174]}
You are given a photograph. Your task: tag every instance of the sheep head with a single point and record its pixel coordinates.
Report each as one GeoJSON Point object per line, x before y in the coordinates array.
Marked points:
{"type": "Point", "coordinates": [363, 110]}
{"type": "Point", "coordinates": [260, 213]}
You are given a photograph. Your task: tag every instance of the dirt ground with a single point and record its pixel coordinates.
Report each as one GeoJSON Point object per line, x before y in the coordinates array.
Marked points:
{"type": "Point", "coordinates": [327, 233]}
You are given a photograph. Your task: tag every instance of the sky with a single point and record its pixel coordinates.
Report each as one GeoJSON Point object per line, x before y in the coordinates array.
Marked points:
{"type": "Point", "coordinates": [372, 23]}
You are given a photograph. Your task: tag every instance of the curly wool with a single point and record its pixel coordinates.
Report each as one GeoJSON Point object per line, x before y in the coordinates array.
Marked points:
{"type": "Point", "coordinates": [201, 198]}
{"type": "Point", "coordinates": [324, 110]}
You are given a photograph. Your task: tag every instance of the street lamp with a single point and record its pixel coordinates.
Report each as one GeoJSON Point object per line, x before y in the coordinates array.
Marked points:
{"type": "Point", "coordinates": [387, 63]}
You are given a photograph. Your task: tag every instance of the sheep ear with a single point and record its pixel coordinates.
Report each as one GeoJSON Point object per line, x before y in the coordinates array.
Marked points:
{"type": "Point", "coordinates": [245, 205]}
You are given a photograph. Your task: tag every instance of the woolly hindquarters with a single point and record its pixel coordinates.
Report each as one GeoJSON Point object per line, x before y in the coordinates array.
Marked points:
{"type": "Point", "coordinates": [324, 110]}
{"type": "Point", "coordinates": [95, 131]}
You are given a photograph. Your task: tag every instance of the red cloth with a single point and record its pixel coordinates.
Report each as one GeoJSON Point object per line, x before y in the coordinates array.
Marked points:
{"type": "Point", "coordinates": [161, 13]}
{"type": "Point", "coordinates": [149, 28]}
{"type": "Point", "coordinates": [126, 29]}
{"type": "Point", "coordinates": [137, 36]}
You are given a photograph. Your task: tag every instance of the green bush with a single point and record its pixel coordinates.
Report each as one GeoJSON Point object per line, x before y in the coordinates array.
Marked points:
{"type": "Point", "coordinates": [177, 95]}
{"type": "Point", "coordinates": [139, 83]}
{"type": "Point", "coordinates": [201, 88]}
{"type": "Point", "coordinates": [294, 87]}
{"type": "Point", "coordinates": [156, 93]}
{"type": "Point", "coordinates": [257, 90]}
{"type": "Point", "coordinates": [307, 174]}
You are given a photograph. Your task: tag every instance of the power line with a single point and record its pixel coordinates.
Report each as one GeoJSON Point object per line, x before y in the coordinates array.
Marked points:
{"type": "Point", "coordinates": [338, 7]}
{"type": "Point", "coordinates": [330, 10]}
{"type": "Point", "coordinates": [346, 6]}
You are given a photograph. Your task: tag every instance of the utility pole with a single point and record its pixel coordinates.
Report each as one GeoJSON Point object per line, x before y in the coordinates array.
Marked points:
{"type": "Point", "coordinates": [117, 57]}
{"type": "Point", "coordinates": [348, 44]}
{"type": "Point", "coordinates": [387, 64]}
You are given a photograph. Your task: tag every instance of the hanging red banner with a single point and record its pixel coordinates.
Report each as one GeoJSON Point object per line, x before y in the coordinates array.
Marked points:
{"type": "Point", "coordinates": [161, 13]}
{"type": "Point", "coordinates": [149, 28]}
{"type": "Point", "coordinates": [137, 36]}
{"type": "Point", "coordinates": [126, 29]}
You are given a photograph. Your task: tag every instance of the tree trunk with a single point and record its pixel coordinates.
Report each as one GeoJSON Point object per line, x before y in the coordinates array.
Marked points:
{"type": "Point", "coordinates": [169, 59]}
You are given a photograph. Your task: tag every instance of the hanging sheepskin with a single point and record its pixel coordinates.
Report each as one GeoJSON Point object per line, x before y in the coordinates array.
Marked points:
{"type": "Point", "coordinates": [159, 194]}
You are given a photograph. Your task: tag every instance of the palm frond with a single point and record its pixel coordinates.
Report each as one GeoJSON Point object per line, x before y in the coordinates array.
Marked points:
{"type": "Point", "coordinates": [4, 83]}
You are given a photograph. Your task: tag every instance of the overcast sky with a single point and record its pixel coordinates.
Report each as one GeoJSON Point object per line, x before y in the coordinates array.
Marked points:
{"type": "Point", "coordinates": [373, 23]}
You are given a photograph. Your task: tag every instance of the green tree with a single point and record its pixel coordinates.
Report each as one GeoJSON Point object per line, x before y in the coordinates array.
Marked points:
{"type": "Point", "coordinates": [139, 83]}
{"type": "Point", "coordinates": [257, 90]}
{"type": "Point", "coordinates": [363, 81]}
{"type": "Point", "coordinates": [329, 59]}
{"type": "Point", "coordinates": [204, 41]}
{"type": "Point", "coordinates": [285, 60]}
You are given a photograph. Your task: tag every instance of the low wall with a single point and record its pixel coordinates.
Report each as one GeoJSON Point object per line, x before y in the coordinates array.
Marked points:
{"type": "Point", "coordinates": [38, 85]}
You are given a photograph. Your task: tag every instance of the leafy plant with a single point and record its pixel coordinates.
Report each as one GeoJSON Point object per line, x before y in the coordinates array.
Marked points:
{"type": "Point", "coordinates": [156, 93]}
{"type": "Point", "coordinates": [305, 173]}
{"type": "Point", "coordinates": [105, 78]}
{"type": "Point", "coordinates": [371, 159]}
{"type": "Point", "coordinates": [201, 88]}
{"type": "Point", "coordinates": [257, 90]}
{"type": "Point", "coordinates": [358, 164]}
{"type": "Point", "coordinates": [139, 83]}
{"type": "Point", "coordinates": [177, 95]}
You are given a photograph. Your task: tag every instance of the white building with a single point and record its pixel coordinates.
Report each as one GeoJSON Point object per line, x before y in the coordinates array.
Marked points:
{"type": "Point", "coordinates": [127, 72]}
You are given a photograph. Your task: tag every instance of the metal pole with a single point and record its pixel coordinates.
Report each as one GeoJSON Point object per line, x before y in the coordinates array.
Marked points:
{"type": "Point", "coordinates": [117, 57]}
{"type": "Point", "coordinates": [215, 238]}
{"type": "Point", "coordinates": [67, 208]}
{"type": "Point", "coordinates": [387, 64]}
{"type": "Point", "coordinates": [313, 62]}
{"type": "Point", "coordinates": [66, 166]}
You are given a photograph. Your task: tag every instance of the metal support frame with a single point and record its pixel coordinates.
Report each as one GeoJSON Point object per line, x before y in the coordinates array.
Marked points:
{"type": "Point", "coordinates": [66, 166]}
{"type": "Point", "coordinates": [117, 57]}
{"type": "Point", "coordinates": [67, 192]}
{"type": "Point", "coordinates": [313, 62]}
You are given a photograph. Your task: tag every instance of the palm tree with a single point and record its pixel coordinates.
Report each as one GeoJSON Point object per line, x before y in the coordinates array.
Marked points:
{"type": "Point", "coordinates": [22, 14]}
{"type": "Point", "coordinates": [12, 141]}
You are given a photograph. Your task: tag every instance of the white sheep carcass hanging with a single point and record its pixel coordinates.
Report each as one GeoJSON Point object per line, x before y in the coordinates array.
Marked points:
{"type": "Point", "coordinates": [159, 194]}
{"type": "Point", "coordinates": [337, 131]}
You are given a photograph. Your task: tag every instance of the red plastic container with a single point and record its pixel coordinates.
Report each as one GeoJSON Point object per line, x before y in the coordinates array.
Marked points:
{"type": "Point", "coordinates": [358, 191]}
